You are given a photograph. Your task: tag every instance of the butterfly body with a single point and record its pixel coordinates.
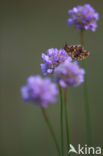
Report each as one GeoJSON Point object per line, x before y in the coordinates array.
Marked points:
{"type": "Point", "coordinates": [77, 52]}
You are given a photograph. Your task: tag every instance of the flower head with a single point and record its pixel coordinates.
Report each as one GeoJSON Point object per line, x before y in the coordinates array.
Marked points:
{"type": "Point", "coordinates": [52, 59]}
{"type": "Point", "coordinates": [83, 17]}
{"type": "Point", "coordinates": [40, 91]}
{"type": "Point", "coordinates": [69, 73]}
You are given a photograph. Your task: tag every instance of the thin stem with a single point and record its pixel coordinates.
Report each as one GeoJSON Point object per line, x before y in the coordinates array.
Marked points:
{"type": "Point", "coordinates": [82, 37]}
{"type": "Point", "coordinates": [86, 99]}
{"type": "Point", "coordinates": [66, 118]}
{"type": "Point", "coordinates": [61, 121]}
{"type": "Point", "coordinates": [51, 129]}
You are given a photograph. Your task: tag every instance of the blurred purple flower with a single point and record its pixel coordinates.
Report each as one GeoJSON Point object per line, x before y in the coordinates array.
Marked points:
{"type": "Point", "coordinates": [52, 59]}
{"type": "Point", "coordinates": [69, 73]}
{"type": "Point", "coordinates": [83, 17]}
{"type": "Point", "coordinates": [40, 91]}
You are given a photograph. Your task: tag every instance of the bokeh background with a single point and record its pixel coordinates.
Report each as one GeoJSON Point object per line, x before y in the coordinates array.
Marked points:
{"type": "Point", "coordinates": [28, 28]}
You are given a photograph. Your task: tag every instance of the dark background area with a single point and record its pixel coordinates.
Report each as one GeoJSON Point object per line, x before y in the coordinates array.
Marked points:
{"type": "Point", "coordinates": [28, 28]}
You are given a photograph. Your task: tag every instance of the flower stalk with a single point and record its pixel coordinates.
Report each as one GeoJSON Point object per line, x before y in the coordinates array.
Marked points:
{"type": "Point", "coordinates": [61, 121]}
{"type": "Point", "coordinates": [51, 130]}
{"type": "Point", "coordinates": [66, 118]}
{"type": "Point", "coordinates": [85, 92]}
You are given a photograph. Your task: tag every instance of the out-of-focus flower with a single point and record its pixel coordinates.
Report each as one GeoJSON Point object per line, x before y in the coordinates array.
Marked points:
{"type": "Point", "coordinates": [83, 17]}
{"type": "Point", "coordinates": [40, 91]}
{"type": "Point", "coordinates": [52, 59]}
{"type": "Point", "coordinates": [69, 74]}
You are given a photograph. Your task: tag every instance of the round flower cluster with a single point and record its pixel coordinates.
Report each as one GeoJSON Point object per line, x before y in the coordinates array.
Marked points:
{"type": "Point", "coordinates": [52, 59]}
{"type": "Point", "coordinates": [69, 74]}
{"type": "Point", "coordinates": [83, 17]}
{"type": "Point", "coordinates": [40, 91]}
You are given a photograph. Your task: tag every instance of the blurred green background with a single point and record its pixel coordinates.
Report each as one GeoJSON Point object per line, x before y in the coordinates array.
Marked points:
{"type": "Point", "coordinates": [28, 28]}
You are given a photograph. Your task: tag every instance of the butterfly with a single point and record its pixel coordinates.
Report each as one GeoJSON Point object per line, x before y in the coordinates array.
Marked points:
{"type": "Point", "coordinates": [77, 52]}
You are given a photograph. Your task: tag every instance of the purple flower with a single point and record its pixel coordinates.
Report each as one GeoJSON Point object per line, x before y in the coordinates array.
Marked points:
{"type": "Point", "coordinates": [40, 91]}
{"type": "Point", "coordinates": [83, 17]}
{"type": "Point", "coordinates": [69, 73]}
{"type": "Point", "coordinates": [52, 59]}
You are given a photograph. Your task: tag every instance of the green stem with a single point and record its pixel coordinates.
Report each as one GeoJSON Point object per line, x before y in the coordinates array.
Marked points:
{"type": "Point", "coordinates": [82, 37]}
{"type": "Point", "coordinates": [66, 118]}
{"type": "Point", "coordinates": [86, 100]}
{"type": "Point", "coordinates": [61, 121]}
{"type": "Point", "coordinates": [51, 129]}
